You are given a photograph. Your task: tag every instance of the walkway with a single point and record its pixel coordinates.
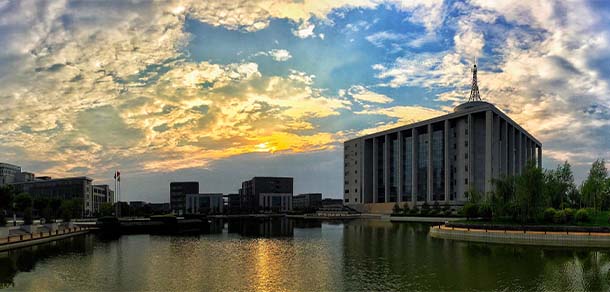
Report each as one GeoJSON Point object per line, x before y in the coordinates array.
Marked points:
{"type": "Point", "coordinates": [26, 239]}
{"type": "Point", "coordinates": [549, 238]}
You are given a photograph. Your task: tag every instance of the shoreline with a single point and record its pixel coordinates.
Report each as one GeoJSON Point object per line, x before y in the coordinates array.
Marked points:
{"type": "Point", "coordinates": [522, 237]}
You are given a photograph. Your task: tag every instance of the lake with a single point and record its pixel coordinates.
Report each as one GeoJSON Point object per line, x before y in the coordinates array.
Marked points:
{"type": "Point", "coordinates": [296, 255]}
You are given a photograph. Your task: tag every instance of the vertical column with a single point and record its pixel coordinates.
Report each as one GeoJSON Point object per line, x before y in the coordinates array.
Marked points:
{"type": "Point", "coordinates": [539, 156]}
{"type": "Point", "coordinates": [414, 149]}
{"type": "Point", "coordinates": [429, 164]}
{"type": "Point", "coordinates": [488, 150]}
{"type": "Point", "coordinates": [519, 153]}
{"type": "Point", "coordinates": [470, 152]}
{"type": "Point", "coordinates": [400, 166]}
{"type": "Point", "coordinates": [447, 165]}
{"type": "Point", "coordinates": [505, 147]}
{"type": "Point", "coordinates": [386, 168]}
{"type": "Point", "coordinates": [375, 167]}
{"type": "Point", "coordinates": [511, 151]}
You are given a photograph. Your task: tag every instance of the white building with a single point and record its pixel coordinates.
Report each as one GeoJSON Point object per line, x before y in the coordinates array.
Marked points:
{"type": "Point", "coordinates": [204, 203]}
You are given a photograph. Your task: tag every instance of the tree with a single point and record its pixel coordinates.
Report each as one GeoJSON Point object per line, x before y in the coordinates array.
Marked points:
{"type": "Point", "coordinates": [504, 196]}
{"type": "Point", "coordinates": [7, 194]}
{"type": "Point", "coordinates": [529, 193]}
{"type": "Point", "coordinates": [22, 202]}
{"type": "Point", "coordinates": [55, 205]}
{"type": "Point", "coordinates": [106, 209]}
{"type": "Point", "coordinates": [594, 188]}
{"type": "Point", "coordinates": [42, 207]}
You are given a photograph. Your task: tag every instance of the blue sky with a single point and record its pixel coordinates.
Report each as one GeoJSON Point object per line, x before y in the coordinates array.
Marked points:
{"type": "Point", "coordinates": [220, 91]}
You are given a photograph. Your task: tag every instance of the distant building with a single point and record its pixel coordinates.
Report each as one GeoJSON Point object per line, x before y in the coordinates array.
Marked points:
{"type": "Point", "coordinates": [305, 202]}
{"type": "Point", "coordinates": [137, 204]}
{"type": "Point", "coordinates": [8, 173]}
{"type": "Point", "coordinates": [204, 203]}
{"type": "Point", "coordinates": [233, 204]}
{"type": "Point", "coordinates": [266, 194]}
{"type": "Point", "coordinates": [331, 203]}
{"type": "Point", "coordinates": [101, 194]}
{"type": "Point", "coordinates": [177, 195]}
{"type": "Point", "coordinates": [25, 177]}
{"type": "Point", "coordinates": [160, 208]}
{"type": "Point", "coordinates": [72, 188]}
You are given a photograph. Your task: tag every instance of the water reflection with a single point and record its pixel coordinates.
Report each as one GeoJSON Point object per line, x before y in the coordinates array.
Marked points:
{"type": "Point", "coordinates": [25, 259]}
{"type": "Point", "coordinates": [299, 255]}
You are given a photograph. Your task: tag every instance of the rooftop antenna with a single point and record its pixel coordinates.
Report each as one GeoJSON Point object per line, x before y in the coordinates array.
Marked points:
{"type": "Point", "coordinates": [474, 90]}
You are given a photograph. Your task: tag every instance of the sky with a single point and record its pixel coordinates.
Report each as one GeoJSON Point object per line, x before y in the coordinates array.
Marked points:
{"type": "Point", "coordinates": [221, 91]}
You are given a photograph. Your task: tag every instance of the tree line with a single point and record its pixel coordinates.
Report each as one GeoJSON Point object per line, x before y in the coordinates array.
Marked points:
{"type": "Point", "coordinates": [23, 204]}
{"type": "Point", "coordinates": [536, 195]}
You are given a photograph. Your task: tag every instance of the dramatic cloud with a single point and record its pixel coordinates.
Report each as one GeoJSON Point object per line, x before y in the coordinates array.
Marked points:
{"type": "Point", "coordinates": [87, 86]}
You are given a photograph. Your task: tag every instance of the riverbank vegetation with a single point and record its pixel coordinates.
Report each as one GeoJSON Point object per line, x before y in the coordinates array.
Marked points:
{"type": "Point", "coordinates": [540, 196]}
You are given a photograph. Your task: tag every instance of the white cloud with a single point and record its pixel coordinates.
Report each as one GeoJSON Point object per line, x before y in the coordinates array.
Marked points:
{"type": "Point", "coordinates": [280, 55]}
{"type": "Point", "coordinates": [361, 93]}
{"type": "Point", "coordinates": [379, 39]}
{"type": "Point", "coordinates": [304, 30]}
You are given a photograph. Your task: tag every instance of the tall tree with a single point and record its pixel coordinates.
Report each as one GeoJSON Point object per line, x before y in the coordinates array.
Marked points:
{"type": "Point", "coordinates": [529, 192]}
{"type": "Point", "coordinates": [593, 189]}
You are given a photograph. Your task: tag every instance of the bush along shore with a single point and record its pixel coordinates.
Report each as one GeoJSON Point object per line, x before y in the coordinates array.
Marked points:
{"type": "Point", "coordinates": [543, 200]}
{"type": "Point", "coordinates": [425, 210]}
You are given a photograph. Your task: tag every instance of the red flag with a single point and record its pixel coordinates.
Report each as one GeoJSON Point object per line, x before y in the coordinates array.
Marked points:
{"type": "Point", "coordinates": [117, 175]}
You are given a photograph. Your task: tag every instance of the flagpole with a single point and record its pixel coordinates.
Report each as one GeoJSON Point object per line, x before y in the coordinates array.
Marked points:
{"type": "Point", "coordinates": [116, 194]}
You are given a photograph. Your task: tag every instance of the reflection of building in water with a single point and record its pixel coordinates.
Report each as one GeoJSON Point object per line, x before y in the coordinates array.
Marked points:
{"type": "Point", "coordinates": [307, 223]}
{"type": "Point", "coordinates": [263, 227]}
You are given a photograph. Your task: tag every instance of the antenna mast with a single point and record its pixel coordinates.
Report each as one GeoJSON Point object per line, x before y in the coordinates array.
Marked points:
{"type": "Point", "coordinates": [474, 90]}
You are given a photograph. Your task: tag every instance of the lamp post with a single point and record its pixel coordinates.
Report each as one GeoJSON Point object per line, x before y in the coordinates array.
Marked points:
{"type": "Point", "coordinates": [14, 215]}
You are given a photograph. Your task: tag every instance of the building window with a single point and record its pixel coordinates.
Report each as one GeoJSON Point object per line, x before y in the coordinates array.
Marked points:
{"type": "Point", "coordinates": [466, 167]}
{"type": "Point", "coordinates": [355, 190]}
{"type": "Point", "coordinates": [347, 191]}
{"type": "Point", "coordinates": [466, 143]}
{"type": "Point", "coordinates": [465, 181]}
{"type": "Point", "coordinates": [465, 155]}
{"type": "Point", "coordinates": [347, 200]}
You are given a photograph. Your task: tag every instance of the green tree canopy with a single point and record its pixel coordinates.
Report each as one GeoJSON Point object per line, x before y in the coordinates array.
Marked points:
{"type": "Point", "coordinates": [594, 188]}
{"type": "Point", "coordinates": [23, 201]}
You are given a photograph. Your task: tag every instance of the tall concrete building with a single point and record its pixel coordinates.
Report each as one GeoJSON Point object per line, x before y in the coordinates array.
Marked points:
{"type": "Point", "coordinates": [204, 203]}
{"type": "Point", "coordinates": [8, 173]}
{"type": "Point", "coordinates": [439, 159]}
{"type": "Point", "coordinates": [178, 192]}
{"type": "Point", "coordinates": [101, 194]}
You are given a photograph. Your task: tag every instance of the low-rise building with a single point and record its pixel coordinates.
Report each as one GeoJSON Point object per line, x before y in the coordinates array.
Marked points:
{"type": "Point", "coordinates": [72, 188]}
{"type": "Point", "coordinates": [177, 195]}
{"type": "Point", "coordinates": [101, 194]}
{"type": "Point", "coordinates": [8, 173]}
{"type": "Point", "coordinates": [204, 203]}
{"type": "Point", "coordinates": [266, 194]}
{"type": "Point", "coordinates": [160, 208]}
{"type": "Point", "coordinates": [330, 203]}
{"type": "Point", "coordinates": [307, 202]}
{"type": "Point", "coordinates": [233, 204]}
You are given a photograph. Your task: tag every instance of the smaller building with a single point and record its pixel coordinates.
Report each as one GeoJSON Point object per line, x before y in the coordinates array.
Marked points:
{"type": "Point", "coordinates": [210, 203]}
{"type": "Point", "coordinates": [71, 188]}
{"type": "Point", "coordinates": [307, 202]}
{"type": "Point", "coordinates": [101, 194]}
{"type": "Point", "coordinates": [8, 173]}
{"type": "Point", "coordinates": [233, 204]}
{"type": "Point", "coordinates": [275, 202]}
{"type": "Point", "coordinates": [332, 203]}
{"type": "Point", "coordinates": [160, 208]}
{"type": "Point", "coordinates": [178, 192]}
{"type": "Point", "coordinates": [137, 204]}
{"type": "Point", "coordinates": [276, 190]}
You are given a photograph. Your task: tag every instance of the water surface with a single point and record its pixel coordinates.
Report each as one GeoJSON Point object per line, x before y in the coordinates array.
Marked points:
{"type": "Point", "coordinates": [286, 255]}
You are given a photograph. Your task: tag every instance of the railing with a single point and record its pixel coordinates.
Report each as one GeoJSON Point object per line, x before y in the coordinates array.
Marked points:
{"type": "Point", "coordinates": [513, 231]}
{"type": "Point", "coordinates": [40, 235]}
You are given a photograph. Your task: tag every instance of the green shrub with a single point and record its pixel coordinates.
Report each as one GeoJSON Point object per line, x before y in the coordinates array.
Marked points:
{"type": "Point", "coordinates": [405, 209]}
{"type": "Point", "coordinates": [549, 215]}
{"type": "Point", "coordinates": [414, 211]}
{"type": "Point", "coordinates": [485, 211]}
{"type": "Point", "coordinates": [471, 210]}
{"type": "Point", "coordinates": [560, 217]}
{"type": "Point", "coordinates": [396, 210]}
{"type": "Point", "coordinates": [448, 212]}
{"type": "Point", "coordinates": [436, 206]}
{"type": "Point", "coordinates": [2, 220]}
{"type": "Point", "coordinates": [434, 212]}
{"type": "Point", "coordinates": [569, 214]}
{"type": "Point", "coordinates": [582, 215]}
{"type": "Point", "coordinates": [446, 207]}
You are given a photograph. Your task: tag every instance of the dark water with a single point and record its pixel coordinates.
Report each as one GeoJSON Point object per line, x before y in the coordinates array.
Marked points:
{"type": "Point", "coordinates": [286, 255]}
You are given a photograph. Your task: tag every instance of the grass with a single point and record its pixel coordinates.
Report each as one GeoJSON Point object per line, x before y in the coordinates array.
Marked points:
{"type": "Point", "coordinates": [598, 219]}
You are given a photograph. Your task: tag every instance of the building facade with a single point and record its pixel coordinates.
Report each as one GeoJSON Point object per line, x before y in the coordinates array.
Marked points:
{"type": "Point", "coordinates": [101, 194]}
{"type": "Point", "coordinates": [277, 194]}
{"type": "Point", "coordinates": [233, 203]}
{"type": "Point", "coordinates": [204, 203]}
{"type": "Point", "coordinates": [307, 201]}
{"type": "Point", "coordinates": [178, 192]}
{"type": "Point", "coordinates": [8, 173]}
{"type": "Point", "coordinates": [440, 159]}
{"type": "Point", "coordinates": [72, 188]}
